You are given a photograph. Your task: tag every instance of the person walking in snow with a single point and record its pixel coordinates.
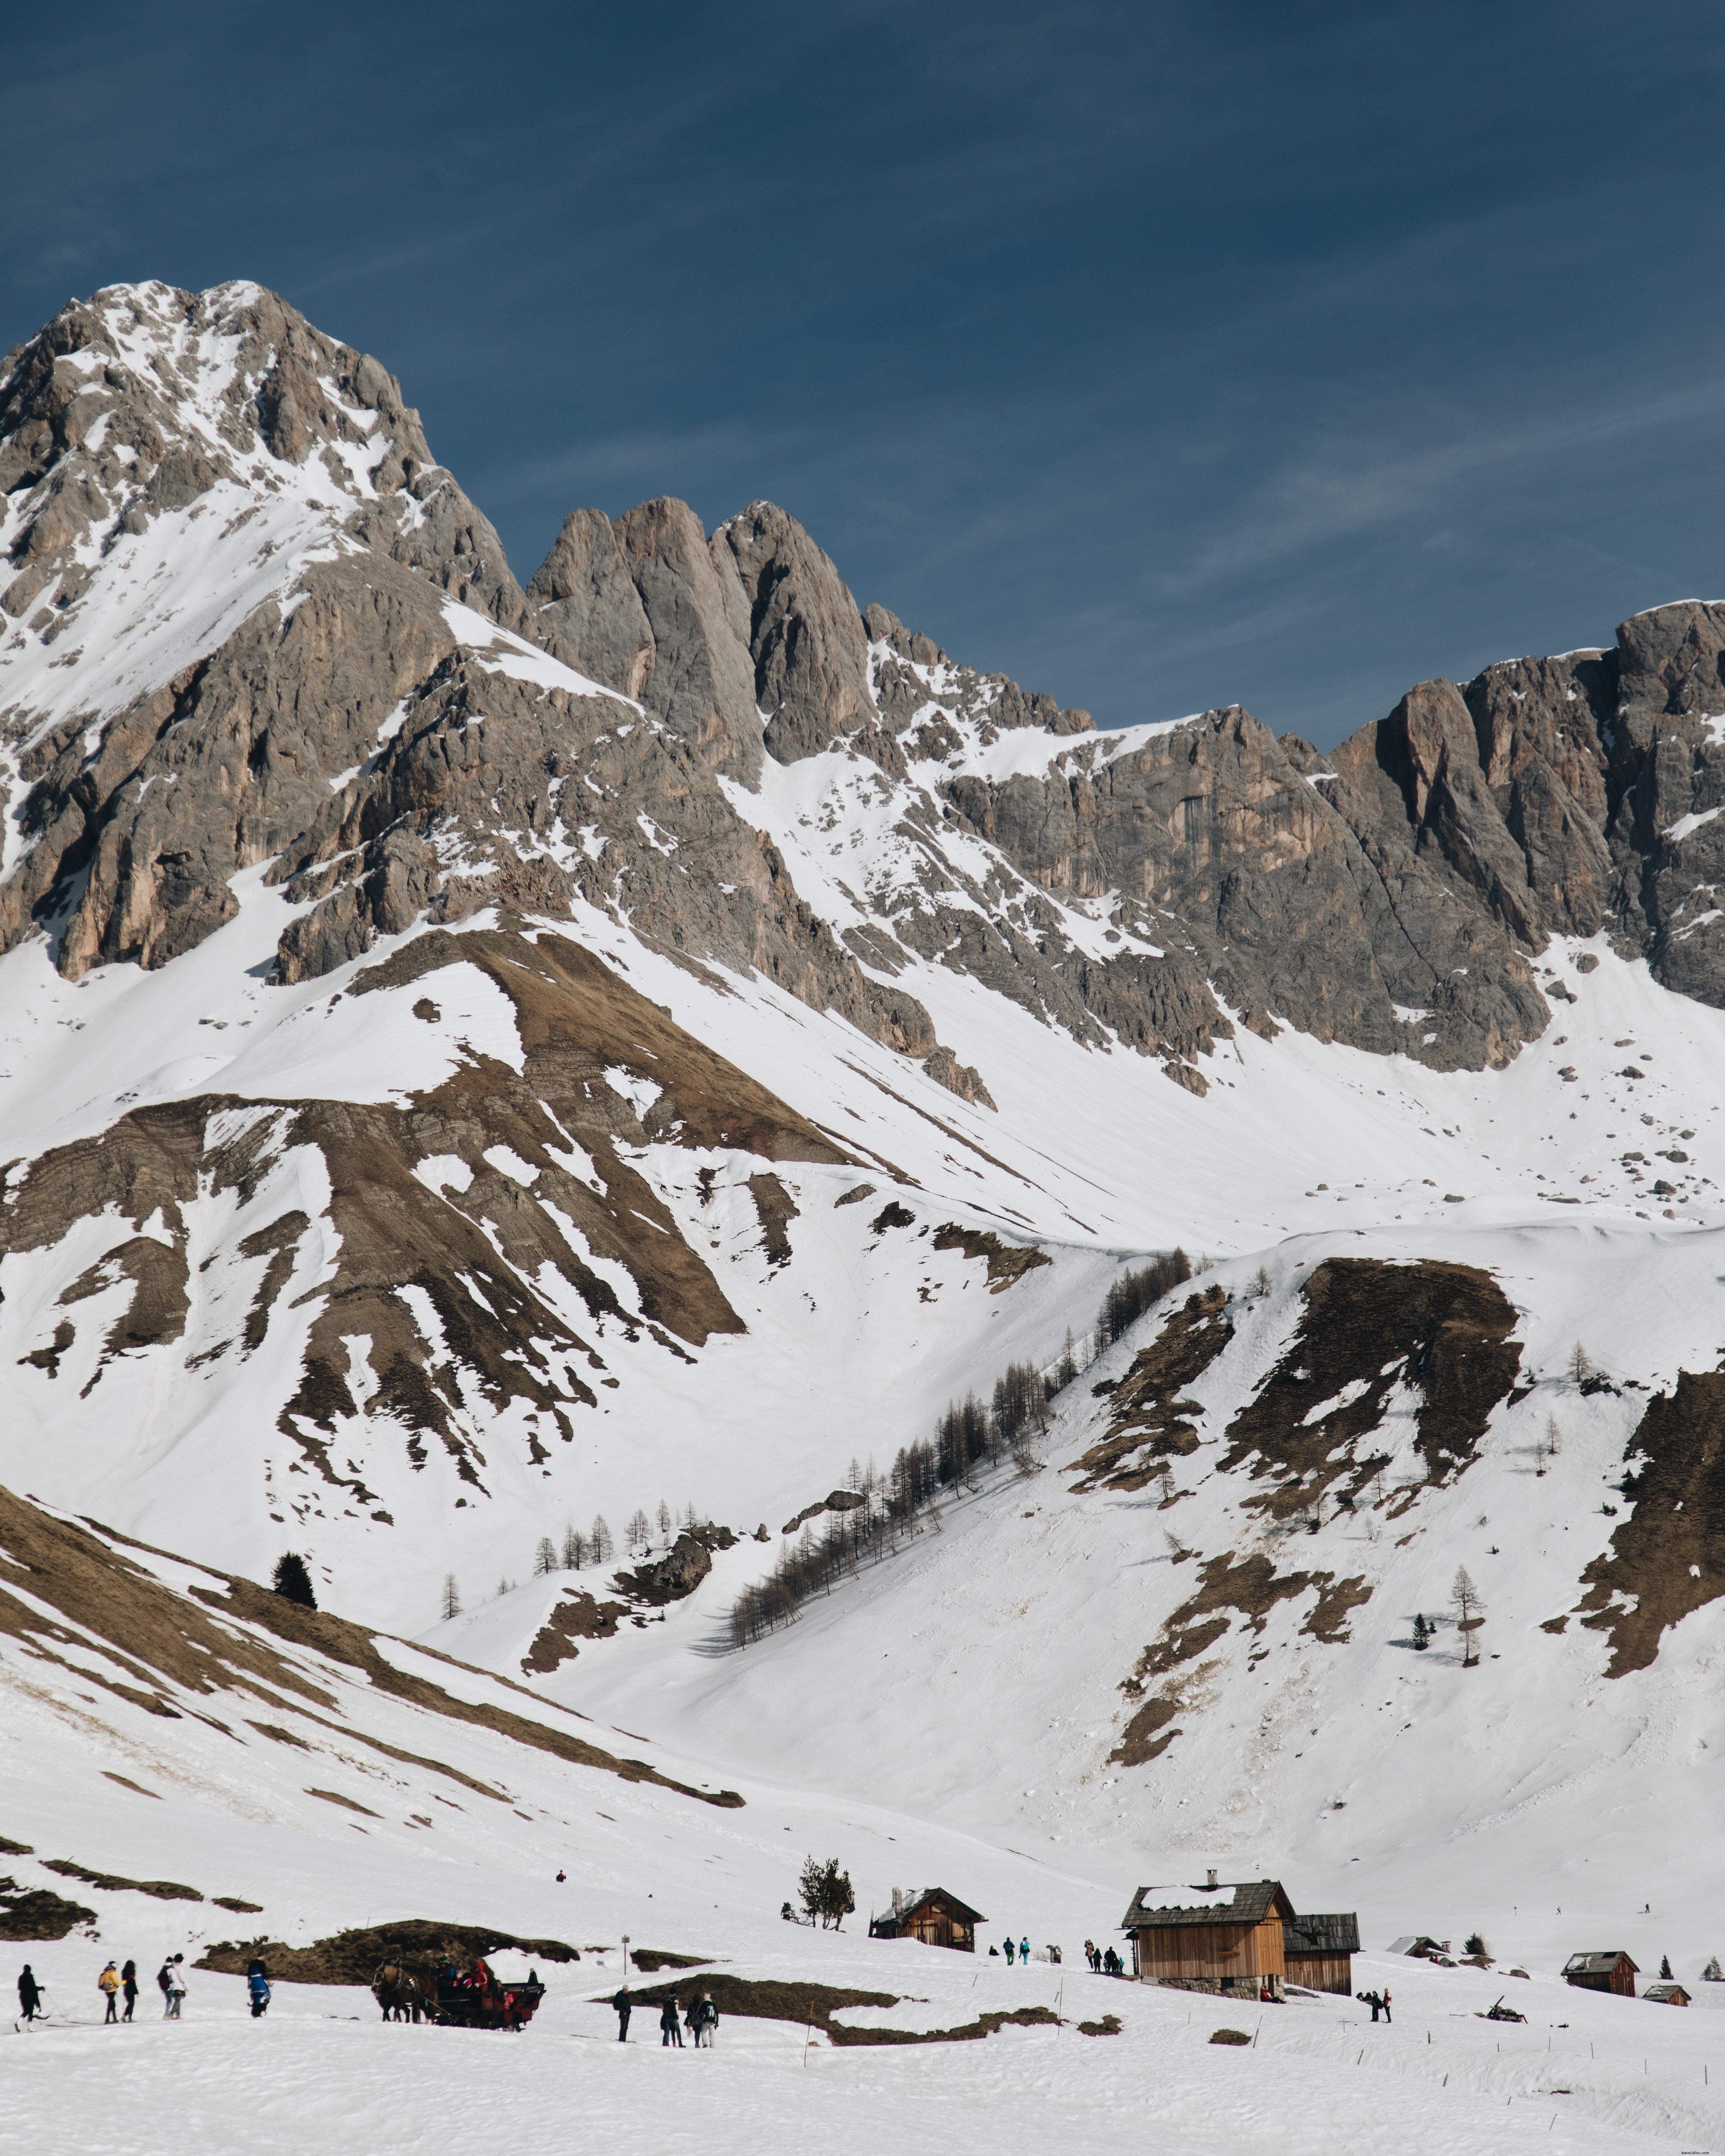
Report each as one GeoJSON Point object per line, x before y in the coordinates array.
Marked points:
{"type": "Point", "coordinates": [1370, 1999]}
{"type": "Point", "coordinates": [257, 1985]}
{"type": "Point", "coordinates": [1025, 1952]}
{"type": "Point", "coordinates": [1386, 2006]}
{"type": "Point", "coordinates": [1011, 1951]}
{"type": "Point", "coordinates": [668, 2031]}
{"type": "Point", "coordinates": [707, 2020]}
{"type": "Point", "coordinates": [625, 2005]}
{"type": "Point", "coordinates": [129, 1987]}
{"type": "Point", "coordinates": [172, 1981]}
{"type": "Point", "coordinates": [108, 1983]}
{"type": "Point", "coordinates": [29, 1992]}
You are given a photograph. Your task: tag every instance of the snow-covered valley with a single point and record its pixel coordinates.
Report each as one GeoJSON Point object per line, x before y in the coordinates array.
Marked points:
{"type": "Point", "coordinates": [536, 1216]}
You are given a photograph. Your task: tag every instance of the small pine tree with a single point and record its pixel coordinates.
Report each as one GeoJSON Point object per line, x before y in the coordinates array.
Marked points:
{"type": "Point", "coordinates": [503, 1585]}
{"type": "Point", "coordinates": [292, 1582]}
{"type": "Point", "coordinates": [451, 1596]}
{"type": "Point", "coordinates": [1476, 1945]}
{"type": "Point", "coordinates": [1712, 1974]}
{"type": "Point", "coordinates": [1422, 1633]}
{"type": "Point", "coordinates": [1261, 1282]}
{"type": "Point", "coordinates": [638, 1533]}
{"type": "Point", "coordinates": [1553, 1438]}
{"type": "Point", "coordinates": [1581, 1365]}
{"type": "Point", "coordinates": [1468, 1605]}
{"type": "Point", "coordinates": [599, 1542]}
{"type": "Point", "coordinates": [824, 1892]}
{"type": "Point", "coordinates": [1665, 1969]}
{"type": "Point", "coordinates": [574, 1550]}
{"type": "Point", "coordinates": [664, 1522]}
{"type": "Point", "coordinates": [545, 1558]}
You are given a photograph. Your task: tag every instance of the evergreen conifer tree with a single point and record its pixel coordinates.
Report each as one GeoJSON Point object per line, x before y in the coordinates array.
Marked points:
{"type": "Point", "coordinates": [600, 1543]}
{"type": "Point", "coordinates": [451, 1596]}
{"type": "Point", "coordinates": [1665, 1969]}
{"type": "Point", "coordinates": [292, 1582]}
{"type": "Point", "coordinates": [545, 1558]}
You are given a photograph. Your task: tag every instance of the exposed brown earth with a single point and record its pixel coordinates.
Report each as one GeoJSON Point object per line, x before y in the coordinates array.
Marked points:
{"type": "Point", "coordinates": [417, 1943]}
{"type": "Point", "coordinates": [164, 1890]}
{"type": "Point", "coordinates": [577, 1617]}
{"type": "Point", "coordinates": [1007, 1262]}
{"type": "Point", "coordinates": [37, 1914]}
{"type": "Point", "coordinates": [1147, 1425]}
{"type": "Point", "coordinates": [1668, 1557]}
{"type": "Point", "coordinates": [1441, 1329]}
{"type": "Point", "coordinates": [814, 2004]}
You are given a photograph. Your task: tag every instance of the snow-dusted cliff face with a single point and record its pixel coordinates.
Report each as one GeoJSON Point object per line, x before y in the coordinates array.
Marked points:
{"type": "Point", "coordinates": [477, 1057]}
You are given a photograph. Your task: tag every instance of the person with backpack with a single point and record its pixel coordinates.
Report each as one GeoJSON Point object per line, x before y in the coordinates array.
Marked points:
{"type": "Point", "coordinates": [706, 2021]}
{"type": "Point", "coordinates": [1011, 1951]}
{"type": "Point", "coordinates": [257, 1986]}
{"type": "Point", "coordinates": [625, 2006]}
{"type": "Point", "coordinates": [129, 1986]}
{"type": "Point", "coordinates": [668, 2031]}
{"type": "Point", "coordinates": [172, 1981]}
{"type": "Point", "coordinates": [1025, 1952]}
{"type": "Point", "coordinates": [29, 1993]}
{"type": "Point", "coordinates": [108, 1983]}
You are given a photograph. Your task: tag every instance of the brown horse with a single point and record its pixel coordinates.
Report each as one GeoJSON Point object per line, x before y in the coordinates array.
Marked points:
{"type": "Point", "coordinates": [399, 1993]}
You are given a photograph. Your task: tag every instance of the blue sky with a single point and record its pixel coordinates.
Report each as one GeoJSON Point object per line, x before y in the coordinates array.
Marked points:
{"type": "Point", "coordinates": [1159, 355]}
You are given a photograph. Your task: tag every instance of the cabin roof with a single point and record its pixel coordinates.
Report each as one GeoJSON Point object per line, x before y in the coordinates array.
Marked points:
{"type": "Point", "coordinates": [1235, 1901]}
{"type": "Point", "coordinates": [1598, 1964]}
{"type": "Point", "coordinates": [1415, 1942]}
{"type": "Point", "coordinates": [945, 1897]}
{"type": "Point", "coordinates": [1322, 1935]}
{"type": "Point", "coordinates": [1665, 1993]}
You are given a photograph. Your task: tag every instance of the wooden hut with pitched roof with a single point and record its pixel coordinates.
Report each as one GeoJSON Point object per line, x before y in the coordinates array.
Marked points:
{"type": "Point", "coordinates": [936, 1918]}
{"type": "Point", "coordinates": [1225, 1937]}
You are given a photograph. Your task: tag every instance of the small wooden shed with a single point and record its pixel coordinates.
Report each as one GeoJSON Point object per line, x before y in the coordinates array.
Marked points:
{"type": "Point", "coordinates": [1609, 1971]}
{"type": "Point", "coordinates": [1667, 1994]}
{"type": "Point", "coordinates": [1225, 1937]}
{"type": "Point", "coordinates": [1319, 1952]}
{"type": "Point", "coordinates": [936, 1918]}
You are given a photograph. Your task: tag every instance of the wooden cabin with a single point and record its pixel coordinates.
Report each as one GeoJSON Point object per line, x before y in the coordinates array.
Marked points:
{"type": "Point", "coordinates": [1225, 1937]}
{"type": "Point", "coordinates": [1319, 1952]}
{"type": "Point", "coordinates": [1667, 1994]}
{"type": "Point", "coordinates": [1612, 1971]}
{"type": "Point", "coordinates": [936, 1918]}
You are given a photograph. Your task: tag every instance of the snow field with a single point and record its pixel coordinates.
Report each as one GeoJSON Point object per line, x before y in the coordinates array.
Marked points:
{"type": "Point", "coordinates": [319, 2067]}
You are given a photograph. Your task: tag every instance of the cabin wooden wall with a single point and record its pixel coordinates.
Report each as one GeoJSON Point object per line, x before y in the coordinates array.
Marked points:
{"type": "Point", "coordinates": [1322, 1972]}
{"type": "Point", "coordinates": [1210, 1950]}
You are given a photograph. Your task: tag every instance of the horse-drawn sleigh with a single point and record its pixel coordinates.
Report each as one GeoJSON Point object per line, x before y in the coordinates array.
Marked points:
{"type": "Point", "coordinates": [473, 1997]}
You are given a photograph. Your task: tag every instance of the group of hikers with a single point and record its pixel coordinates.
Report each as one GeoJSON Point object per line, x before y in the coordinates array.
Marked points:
{"type": "Point", "coordinates": [1101, 1963]}
{"type": "Point", "coordinates": [1379, 2001]}
{"type": "Point", "coordinates": [702, 2020]}
{"type": "Point", "coordinates": [119, 1981]}
{"type": "Point", "coordinates": [1021, 1952]}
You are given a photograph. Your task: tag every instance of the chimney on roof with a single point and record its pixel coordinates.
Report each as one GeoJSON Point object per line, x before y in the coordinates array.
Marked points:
{"type": "Point", "coordinates": [898, 1899]}
{"type": "Point", "coordinates": [1210, 1879]}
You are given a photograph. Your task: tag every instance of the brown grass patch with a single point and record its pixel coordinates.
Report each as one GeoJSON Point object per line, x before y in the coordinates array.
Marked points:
{"type": "Point", "coordinates": [417, 1943]}
{"type": "Point", "coordinates": [1441, 1328]}
{"type": "Point", "coordinates": [37, 1914]}
{"type": "Point", "coordinates": [164, 1890]}
{"type": "Point", "coordinates": [1148, 1426]}
{"type": "Point", "coordinates": [752, 1999]}
{"type": "Point", "coordinates": [1007, 1262]}
{"type": "Point", "coordinates": [1668, 1557]}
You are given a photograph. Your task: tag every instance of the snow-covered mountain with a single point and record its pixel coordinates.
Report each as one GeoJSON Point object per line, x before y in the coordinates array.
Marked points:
{"type": "Point", "coordinates": [687, 1031]}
